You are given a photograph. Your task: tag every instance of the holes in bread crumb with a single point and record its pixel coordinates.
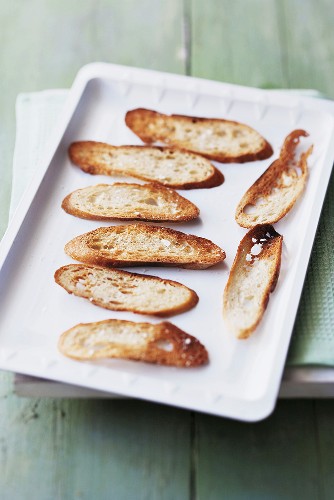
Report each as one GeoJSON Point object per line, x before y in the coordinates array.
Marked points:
{"type": "Point", "coordinates": [187, 248]}
{"type": "Point", "coordinates": [256, 249]}
{"type": "Point", "coordinates": [243, 145]}
{"type": "Point", "coordinates": [298, 171]}
{"type": "Point", "coordinates": [165, 345]}
{"type": "Point", "coordinates": [150, 201]}
{"type": "Point", "coordinates": [249, 209]}
{"type": "Point", "coordinates": [247, 302]}
{"type": "Point", "coordinates": [237, 133]}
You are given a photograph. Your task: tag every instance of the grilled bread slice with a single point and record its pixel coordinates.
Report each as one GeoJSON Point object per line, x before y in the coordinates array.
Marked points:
{"type": "Point", "coordinates": [163, 343]}
{"type": "Point", "coordinates": [123, 201]}
{"type": "Point", "coordinates": [168, 166]}
{"type": "Point", "coordinates": [252, 278]}
{"type": "Point", "coordinates": [273, 195]}
{"type": "Point", "coordinates": [122, 291]}
{"type": "Point", "coordinates": [141, 244]}
{"type": "Point", "coordinates": [216, 139]}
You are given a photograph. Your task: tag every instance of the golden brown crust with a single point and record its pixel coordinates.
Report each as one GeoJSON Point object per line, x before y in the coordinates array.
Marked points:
{"type": "Point", "coordinates": [88, 155]}
{"type": "Point", "coordinates": [143, 123]}
{"type": "Point", "coordinates": [260, 285]}
{"type": "Point", "coordinates": [282, 180]}
{"type": "Point", "coordinates": [80, 271]}
{"type": "Point", "coordinates": [185, 352]}
{"type": "Point", "coordinates": [186, 209]}
{"type": "Point", "coordinates": [199, 253]}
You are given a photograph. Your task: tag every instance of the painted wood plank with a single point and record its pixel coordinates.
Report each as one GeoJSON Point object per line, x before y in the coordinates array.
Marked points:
{"type": "Point", "coordinates": [68, 449]}
{"type": "Point", "coordinates": [307, 43]}
{"type": "Point", "coordinates": [93, 449]}
{"type": "Point", "coordinates": [275, 459]}
{"type": "Point", "coordinates": [237, 42]}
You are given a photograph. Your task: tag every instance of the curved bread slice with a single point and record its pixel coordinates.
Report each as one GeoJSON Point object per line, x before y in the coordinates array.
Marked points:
{"type": "Point", "coordinates": [252, 278]}
{"type": "Point", "coordinates": [168, 166]}
{"type": "Point", "coordinates": [141, 244]}
{"type": "Point", "coordinates": [124, 201]}
{"type": "Point", "coordinates": [221, 140]}
{"type": "Point", "coordinates": [122, 291]}
{"type": "Point", "coordinates": [164, 343]}
{"type": "Point", "coordinates": [276, 191]}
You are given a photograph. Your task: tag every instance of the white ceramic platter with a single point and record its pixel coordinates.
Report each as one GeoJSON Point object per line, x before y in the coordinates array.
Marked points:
{"type": "Point", "coordinates": [242, 379]}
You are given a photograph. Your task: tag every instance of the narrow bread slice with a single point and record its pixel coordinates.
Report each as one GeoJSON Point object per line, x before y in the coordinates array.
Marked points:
{"type": "Point", "coordinates": [141, 244]}
{"type": "Point", "coordinates": [216, 139]}
{"type": "Point", "coordinates": [122, 291]}
{"type": "Point", "coordinates": [163, 343]}
{"type": "Point", "coordinates": [252, 278]}
{"type": "Point", "coordinates": [273, 195]}
{"type": "Point", "coordinates": [123, 201]}
{"type": "Point", "coordinates": [168, 166]}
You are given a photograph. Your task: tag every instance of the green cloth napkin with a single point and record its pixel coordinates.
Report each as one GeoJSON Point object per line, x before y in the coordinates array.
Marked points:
{"type": "Point", "coordinates": [313, 337]}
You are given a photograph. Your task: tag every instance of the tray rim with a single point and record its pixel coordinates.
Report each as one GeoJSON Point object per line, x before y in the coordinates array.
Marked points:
{"type": "Point", "coordinates": [262, 407]}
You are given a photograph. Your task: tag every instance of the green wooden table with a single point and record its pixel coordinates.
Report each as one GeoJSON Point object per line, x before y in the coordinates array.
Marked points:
{"type": "Point", "coordinates": [65, 449]}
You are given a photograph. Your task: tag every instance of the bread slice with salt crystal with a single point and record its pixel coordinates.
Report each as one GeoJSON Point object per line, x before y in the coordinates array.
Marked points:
{"type": "Point", "coordinates": [125, 201]}
{"type": "Point", "coordinates": [273, 195]}
{"type": "Point", "coordinates": [163, 343]}
{"type": "Point", "coordinates": [214, 138]}
{"type": "Point", "coordinates": [141, 244]}
{"type": "Point", "coordinates": [252, 278]}
{"type": "Point", "coordinates": [168, 166]}
{"type": "Point", "coordinates": [123, 291]}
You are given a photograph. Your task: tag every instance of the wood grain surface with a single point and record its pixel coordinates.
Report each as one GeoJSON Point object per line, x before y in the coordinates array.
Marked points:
{"type": "Point", "coordinates": [65, 449]}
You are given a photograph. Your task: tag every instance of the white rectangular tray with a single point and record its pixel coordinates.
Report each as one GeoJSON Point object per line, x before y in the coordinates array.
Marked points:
{"type": "Point", "coordinates": [242, 379]}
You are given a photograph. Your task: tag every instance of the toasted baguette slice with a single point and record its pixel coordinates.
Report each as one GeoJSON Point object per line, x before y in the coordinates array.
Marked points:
{"type": "Point", "coordinates": [252, 278]}
{"type": "Point", "coordinates": [274, 193]}
{"type": "Point", "coordinates": [216, 139]}
{"type": "Point", "coordinates": [168, 166]}
{"type": "Point", "coordinates": [163, 343]}
{"type": "Point", "coordinates": [141, 244]}
{"type": "Point", "coordinates": [123, 201]}
{"type": "Point", "coordinates": [122, 291]}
